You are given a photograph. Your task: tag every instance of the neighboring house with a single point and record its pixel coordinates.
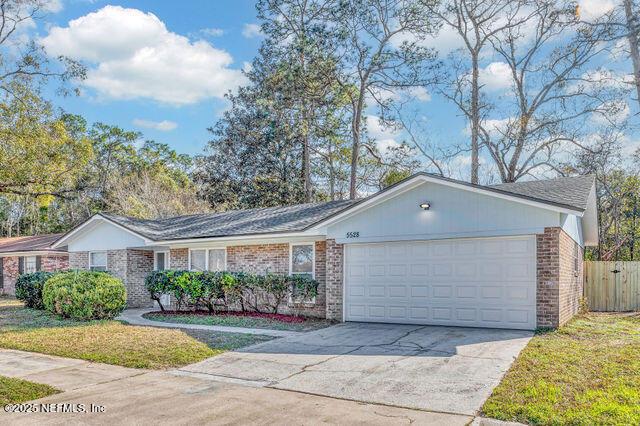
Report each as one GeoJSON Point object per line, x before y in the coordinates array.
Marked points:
{"type": "Point", "coordinates": [428, 250]}
{"type": "Point", "coordinates": [19, 255]}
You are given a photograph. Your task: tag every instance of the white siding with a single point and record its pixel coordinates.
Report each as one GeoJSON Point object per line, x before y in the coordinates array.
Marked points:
{"type": "Point", "coordinates": [572, 225]}
{"type": "Point", "coordinates": [105, 236]}
{"type": "Point", "coordinates": [454, 213]}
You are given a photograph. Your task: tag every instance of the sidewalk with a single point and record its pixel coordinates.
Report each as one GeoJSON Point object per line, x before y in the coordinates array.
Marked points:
{"type": "Point", "coordinates": [138, 397]}
{"type": "Point", "coordinates": [134, 317]}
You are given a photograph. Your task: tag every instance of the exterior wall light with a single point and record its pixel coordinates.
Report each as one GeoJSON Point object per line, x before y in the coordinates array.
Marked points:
{"type": "Point", "coordinates": [425, 206]}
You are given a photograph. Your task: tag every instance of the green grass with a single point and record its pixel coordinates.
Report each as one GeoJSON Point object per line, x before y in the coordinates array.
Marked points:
{"type": "Point", "coordinates": [240, 321]}
{"type": "Point", "coordinates": [111, 342]}
{"type": "Point", "coordinates": [585, 373]}
{"type": "Point", "coordinates": [15, 391]}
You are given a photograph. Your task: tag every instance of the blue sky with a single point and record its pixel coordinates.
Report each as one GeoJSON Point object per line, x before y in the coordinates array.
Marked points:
{"type": "Point", "coordinates": [195, 19]}
{"type": "Point", "coordinates": [162, 67]}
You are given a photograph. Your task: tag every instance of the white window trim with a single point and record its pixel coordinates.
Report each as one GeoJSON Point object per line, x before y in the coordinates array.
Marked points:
{"type": "Point", "coordinates": [206, 256]}
{"type": "Point", "coordinates": [167, 259]}
{"type": "Point", "coordinates": [311, 301]}
{"type": "Point", "coordinates": [106, 259]}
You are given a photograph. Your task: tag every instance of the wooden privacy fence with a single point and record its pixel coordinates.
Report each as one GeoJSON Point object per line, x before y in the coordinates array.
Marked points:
{"type": "Point", "coordinates": [612, 286]}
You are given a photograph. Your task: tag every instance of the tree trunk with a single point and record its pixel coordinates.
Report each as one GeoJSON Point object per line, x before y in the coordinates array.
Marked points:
{"type": "Point", "coordinates": [355, 132]}
{"type": "Point", "coordinates": [306, 166]}
{"type": "Point", "coordinates": [633, 27]}
{"type": "Point", "coordinates": [475, 118]}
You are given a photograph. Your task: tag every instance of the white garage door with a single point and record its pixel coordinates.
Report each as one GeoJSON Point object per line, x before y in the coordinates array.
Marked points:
{"type": "Point", "coordinates": [489, 282]}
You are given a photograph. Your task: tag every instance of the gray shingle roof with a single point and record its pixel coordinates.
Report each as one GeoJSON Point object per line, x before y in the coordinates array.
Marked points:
{"type": "Point", "coordinates": [29, 243]}
{"type": "Point", "coordinates": [571, 192]}
{"type": "Point", "coordinates": [233, 223]}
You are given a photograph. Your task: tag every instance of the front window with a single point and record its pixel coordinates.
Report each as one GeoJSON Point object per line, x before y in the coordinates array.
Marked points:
{"type": "Point", "coordinates": [217, 259]}
{"type": "Point", "coordinates": [161, 260]}
{"type": "Point", "coordinates": [198, 260]}
{"type": "Point", "coordinates": [208, 260]}
{"type": "Point", "coordinates": [98, 260]}
{"type": "Point", "coordinates": [30, 264]}
{"type": "Point", "coordinates": [302, 259]}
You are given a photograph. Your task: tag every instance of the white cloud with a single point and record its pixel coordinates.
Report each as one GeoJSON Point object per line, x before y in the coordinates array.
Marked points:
{"type": "Point", "coordinates": [594, 9]}
{"type": "Point", "coordinates": [420, 93]}
{"type": "Point", "coordinates": [251, 31]}
{"type": "Point", "coordinates": [213, 32]}
{"type": "Point", "coordinates": [163, 126]}
{"type": "Point", "coordinates": [384, 137]}
{"type": "Point", "coordinates": [614, 112]}
{"type": "Point", "coordinates": [496, 76]}
{"type": "Point", "coordinates": [52, 6]}
{"type": "Point", "coordinates": [133, 55]}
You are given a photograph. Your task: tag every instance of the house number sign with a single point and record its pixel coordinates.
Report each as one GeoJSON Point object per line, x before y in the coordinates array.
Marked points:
{"type": "Point", "coordinates": [354, 234]}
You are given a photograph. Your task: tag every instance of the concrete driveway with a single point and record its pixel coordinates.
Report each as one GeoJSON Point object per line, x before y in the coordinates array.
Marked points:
{"type": "Point", "coordinates": [442, 369]}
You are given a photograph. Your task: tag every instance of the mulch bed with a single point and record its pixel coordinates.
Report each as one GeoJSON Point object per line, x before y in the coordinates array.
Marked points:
{"type": "Point", "coordinates": [292, 319]}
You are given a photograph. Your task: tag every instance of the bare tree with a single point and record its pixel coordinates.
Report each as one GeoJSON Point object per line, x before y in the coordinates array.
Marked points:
{"type": "Point", "coordinates": [376, 60]}
{"type": "Point", "coordinates": [27, 62]}
{"type": "Point", "coordinates": [475, 21]}
{"type": "Point", "coordinates": [553, 92]}
{"type": "Point", "coordinates": [633, 37]}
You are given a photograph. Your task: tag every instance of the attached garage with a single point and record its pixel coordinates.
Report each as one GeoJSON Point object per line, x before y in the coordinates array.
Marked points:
{"type": "Point", "coordinates": [479, 282]}
{"type": "Point", "coordinates": [436, 251]}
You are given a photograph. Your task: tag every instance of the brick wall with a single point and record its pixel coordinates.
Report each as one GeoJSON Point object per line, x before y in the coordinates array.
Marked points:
{"type": "Point", "coordinates": [139, 265]}
{"type": "Point", "coordinates": [334, 275]}
{"type": "Point", "coordinates": [131, 266]}
{"type": "Point", "coordinates": [571, 277]}
{"type": "Point", "coordinates": [179, 258]}
{"type": "Point", "coordinates": [10, 269]}
{"type": "Point", "coordinates": [54, 263]}
{"type": "Point", "coordinates": [9, 274]}
{"type": "Point", "coordinates": [559, 277]}
{"type": "Point", "coordinates": [259, 258]}
{"type": "Point", "coordinates": [79, 260]}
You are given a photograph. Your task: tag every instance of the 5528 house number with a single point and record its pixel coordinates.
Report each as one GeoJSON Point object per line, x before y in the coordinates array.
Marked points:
{"type": "Point", "coordinates": [354, 234]}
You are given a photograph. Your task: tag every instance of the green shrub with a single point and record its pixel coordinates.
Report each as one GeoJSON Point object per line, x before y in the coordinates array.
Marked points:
{"type": "Point", "coordinates": [213, 285]}
{"type": "Point", "coordinates": [84, 295]}
{"type": "Point", "coordinates": [303, 287]}
{"type": "Point", "coordinates": [230, 289]}
{"type": "Point", "coordinates": [158, 283]}
{"type": "Point", "coordinates": [29, 288]}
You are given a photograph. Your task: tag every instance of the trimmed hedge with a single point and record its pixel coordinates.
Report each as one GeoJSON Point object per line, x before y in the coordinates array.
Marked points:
{"type": "Point", "coordinates": [226, 290]}
{"type": "Point", "coordinates": [84, 295]}
{"type": "Point", "coordinates": [29, 288]}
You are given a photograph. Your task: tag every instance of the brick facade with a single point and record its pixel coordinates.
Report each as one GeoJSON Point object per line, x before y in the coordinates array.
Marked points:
{"type": "Point", "coordinates": [131, 266]}
{"type": "Point", "coordinates": [10, 266]}
{"type": "Point", "coordinates": [559, 277]}
{"type": "Point", "coordinates": [79, 260]}
{"type": "Point", "coordinates": [335, 265]}
{"type": "Point", "coordinates": [259, 259]}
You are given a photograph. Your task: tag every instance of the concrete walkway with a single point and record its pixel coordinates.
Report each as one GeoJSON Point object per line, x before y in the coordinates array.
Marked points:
{"type": "Point", "coordinates": [137, 397]}
{"type": "Point", "coordinates": [134, 317]}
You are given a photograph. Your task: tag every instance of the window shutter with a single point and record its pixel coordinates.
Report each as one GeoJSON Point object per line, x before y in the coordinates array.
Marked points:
{"type": "Point", "coordinates": [21, 265]}
{"type": "Point", "coordinates": [38, 263]}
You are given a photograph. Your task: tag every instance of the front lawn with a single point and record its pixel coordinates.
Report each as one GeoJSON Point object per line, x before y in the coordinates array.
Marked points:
{"type": "Point", "coordinates": [587, 372]}
{"type": "Point", "coordinates": [110, 342]}
{"type": "Point", "coordinates": [15, 391]}
{"type": "Point", "coordinates": [241, 319]}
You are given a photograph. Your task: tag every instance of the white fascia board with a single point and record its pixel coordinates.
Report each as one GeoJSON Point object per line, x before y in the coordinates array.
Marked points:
{"type": "Point", "coordinates": [33, 253]}
{"type": "Point", "coordinates": [243, 240]}
{"type": "Point", "coordinates": [92, 221]}
{"type": "Point", "coordinates": [417, 180]}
